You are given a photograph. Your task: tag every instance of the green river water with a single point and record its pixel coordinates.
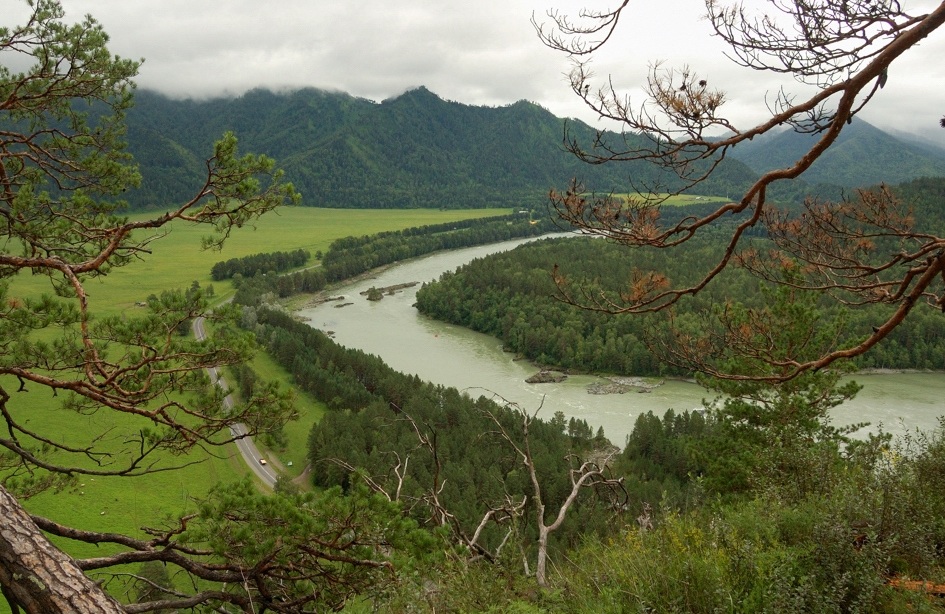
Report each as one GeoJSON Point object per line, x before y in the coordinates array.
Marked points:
{"type": "Point", "coordinates": [454, 356]}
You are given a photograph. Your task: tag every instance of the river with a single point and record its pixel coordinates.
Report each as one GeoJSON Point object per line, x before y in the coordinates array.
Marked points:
{"type": "Point", "coordinates": [455, 356]}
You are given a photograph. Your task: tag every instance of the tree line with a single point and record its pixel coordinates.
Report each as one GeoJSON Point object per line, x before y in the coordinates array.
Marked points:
{"type": "Point", "coordinates": [513, 296]}
{"type": "Point", "coordinates": [351, 256]}
{"type": "Point", "coordinates": [259, 264]}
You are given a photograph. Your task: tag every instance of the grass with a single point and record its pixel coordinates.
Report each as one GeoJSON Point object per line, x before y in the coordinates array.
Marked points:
{"type": "Point", "coordinates": [126, 504]}
{"type": "Point", "coordinates": [310, 411]}
{"type": "Point", "coordinates": [679, 200]}
{"type": "Point", "coordinates": [118, 504]}
{"type": "Point", "coordinates": [177, 259]}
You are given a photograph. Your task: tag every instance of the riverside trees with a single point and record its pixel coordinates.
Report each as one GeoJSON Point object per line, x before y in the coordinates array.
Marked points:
{"type": "Point", "coordinates": [864, 250]}
{"type": "Point", "coordinates": [63, 170]}
{"type": "Point", "coordinates": [509, 295]}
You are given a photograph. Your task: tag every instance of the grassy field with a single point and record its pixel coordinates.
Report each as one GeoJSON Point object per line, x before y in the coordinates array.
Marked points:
{"type": "Point", "coordinates": [679, 200]}
{"type": "Point", "coordinates": [292, 459]}
{"type": "Point", "coordinates": [125, 504]}
{"type": "Point", "coordinates": [177, 259]}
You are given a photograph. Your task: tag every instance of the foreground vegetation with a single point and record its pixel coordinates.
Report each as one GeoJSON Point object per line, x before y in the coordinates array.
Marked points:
{"type": "Point", "coordinates": [738, 509]}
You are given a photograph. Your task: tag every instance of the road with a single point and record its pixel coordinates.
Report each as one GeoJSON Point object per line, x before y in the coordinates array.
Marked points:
{"type": "Point", "coordinates": [244, 443]}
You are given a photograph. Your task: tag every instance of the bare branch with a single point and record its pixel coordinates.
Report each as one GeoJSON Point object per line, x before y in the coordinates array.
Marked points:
{"type": "Point", "coordinates": [845, 51]}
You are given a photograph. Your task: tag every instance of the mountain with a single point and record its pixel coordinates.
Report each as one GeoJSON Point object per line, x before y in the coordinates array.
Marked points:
{"type": "Point", "coordinates": [862, 156]}
{"type": "Point", "coordinates": [414, 150]}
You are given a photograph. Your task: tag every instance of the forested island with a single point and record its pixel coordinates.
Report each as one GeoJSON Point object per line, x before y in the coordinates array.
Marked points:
{"type": "Point", "coordinates": [513, 296]}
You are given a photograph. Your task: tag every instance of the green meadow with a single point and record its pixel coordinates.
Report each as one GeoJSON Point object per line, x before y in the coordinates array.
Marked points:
{"type": "Point", "coordinates": [176, 260]}
{"type": "Point", "coordinates": [676, 200]}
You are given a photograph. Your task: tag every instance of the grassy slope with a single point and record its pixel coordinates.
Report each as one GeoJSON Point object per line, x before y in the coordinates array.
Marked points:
{"type": "Point", "coordinates": [679, 200]}
{"type": "Point", "coordinates": [176, 261]}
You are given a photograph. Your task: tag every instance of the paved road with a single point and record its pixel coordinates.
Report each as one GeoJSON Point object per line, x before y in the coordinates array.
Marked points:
{"type": "Point", "coordinates": [245, 443]}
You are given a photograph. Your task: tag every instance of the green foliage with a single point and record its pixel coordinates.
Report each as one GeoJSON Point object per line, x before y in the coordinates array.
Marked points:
{"type": "Point", "coordinates": [455, 585]}
{"type": "Point", "coordinates": [415, 150]}
{"type": "Point", "coordinates": [314, 549]}
{"type": "Point", "coordinates": [832, 550]}
{"type": "Point", "coordinates": [254, 264]}
{"type": "Point", "coordinates": [661, 461]}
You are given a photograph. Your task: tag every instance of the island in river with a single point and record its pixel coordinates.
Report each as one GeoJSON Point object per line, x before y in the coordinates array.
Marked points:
{"type": "Point", "coordinates": [458, 357]}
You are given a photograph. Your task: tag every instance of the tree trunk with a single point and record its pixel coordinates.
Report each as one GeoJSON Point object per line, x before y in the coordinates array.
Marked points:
{"type": "Point", "coordinates": [541, 574]}
{"type": "Point", "coordinates": [36, 576]}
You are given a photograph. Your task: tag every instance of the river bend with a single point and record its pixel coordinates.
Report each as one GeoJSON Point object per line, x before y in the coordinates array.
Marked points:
{"type": "Point", "coordinates": [455, 356]}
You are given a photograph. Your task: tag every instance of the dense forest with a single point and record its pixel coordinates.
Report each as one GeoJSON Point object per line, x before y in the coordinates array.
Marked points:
{"type": "Point", "coordinates": [256, 264]}
{"type": "Point", "coordinates": [418, 150]}
{"type": "Point", "coordinates": [699, 510]}
{"type": "Point", "coordinates": [513, 297]}
{"type": "Point", "coordinates": [377, 414]}
{"type": "Point", "coordinates": [415, 150]}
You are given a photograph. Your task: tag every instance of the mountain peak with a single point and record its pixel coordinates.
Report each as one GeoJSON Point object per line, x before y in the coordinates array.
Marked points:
{"type": "Point", "coordinates": [415, 93]}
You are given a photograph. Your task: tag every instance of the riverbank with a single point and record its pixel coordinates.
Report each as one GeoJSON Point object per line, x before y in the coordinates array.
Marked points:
{"type": "Point", "coordinates": [454, 356]}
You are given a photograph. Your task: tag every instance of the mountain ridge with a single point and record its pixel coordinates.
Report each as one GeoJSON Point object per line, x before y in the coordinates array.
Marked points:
{"type": "Point", "coordinates": [419, 150]}
{"type": "Point", "coordinates": [862, 155]}
{"type": "Point", "coordinates": [413, 150]}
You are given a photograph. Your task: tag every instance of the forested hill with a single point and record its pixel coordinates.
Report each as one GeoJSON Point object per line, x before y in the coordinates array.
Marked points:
{"type": "Point", "coordinates": [863, 155]}
{"type": "Point", "coordinates": [415, 150]}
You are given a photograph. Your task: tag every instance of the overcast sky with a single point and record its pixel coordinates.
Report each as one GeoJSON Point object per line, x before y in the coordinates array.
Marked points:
{"type": "Point", "coordinates": [482, 52]}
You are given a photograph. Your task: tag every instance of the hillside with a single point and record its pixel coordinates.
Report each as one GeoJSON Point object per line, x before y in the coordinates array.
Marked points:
{"type": "Point", "coordinates": [862, 156]}
{"type": "Point", "coordinates": [418, 150]}
{"type": "Point", "coordinates": [414, 150]}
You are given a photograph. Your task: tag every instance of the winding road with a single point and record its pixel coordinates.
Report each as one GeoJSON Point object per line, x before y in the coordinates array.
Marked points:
{"type": "Point", "coordinates": [244, 443]}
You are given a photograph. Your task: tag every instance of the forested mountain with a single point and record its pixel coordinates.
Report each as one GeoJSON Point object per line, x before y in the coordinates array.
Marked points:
{"type": "Point", "coordinates": [418, 150]}
{"type": "Point", "coordinates": [863, 155]}
{"type": "Point", "coordinates": [415, 150]}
